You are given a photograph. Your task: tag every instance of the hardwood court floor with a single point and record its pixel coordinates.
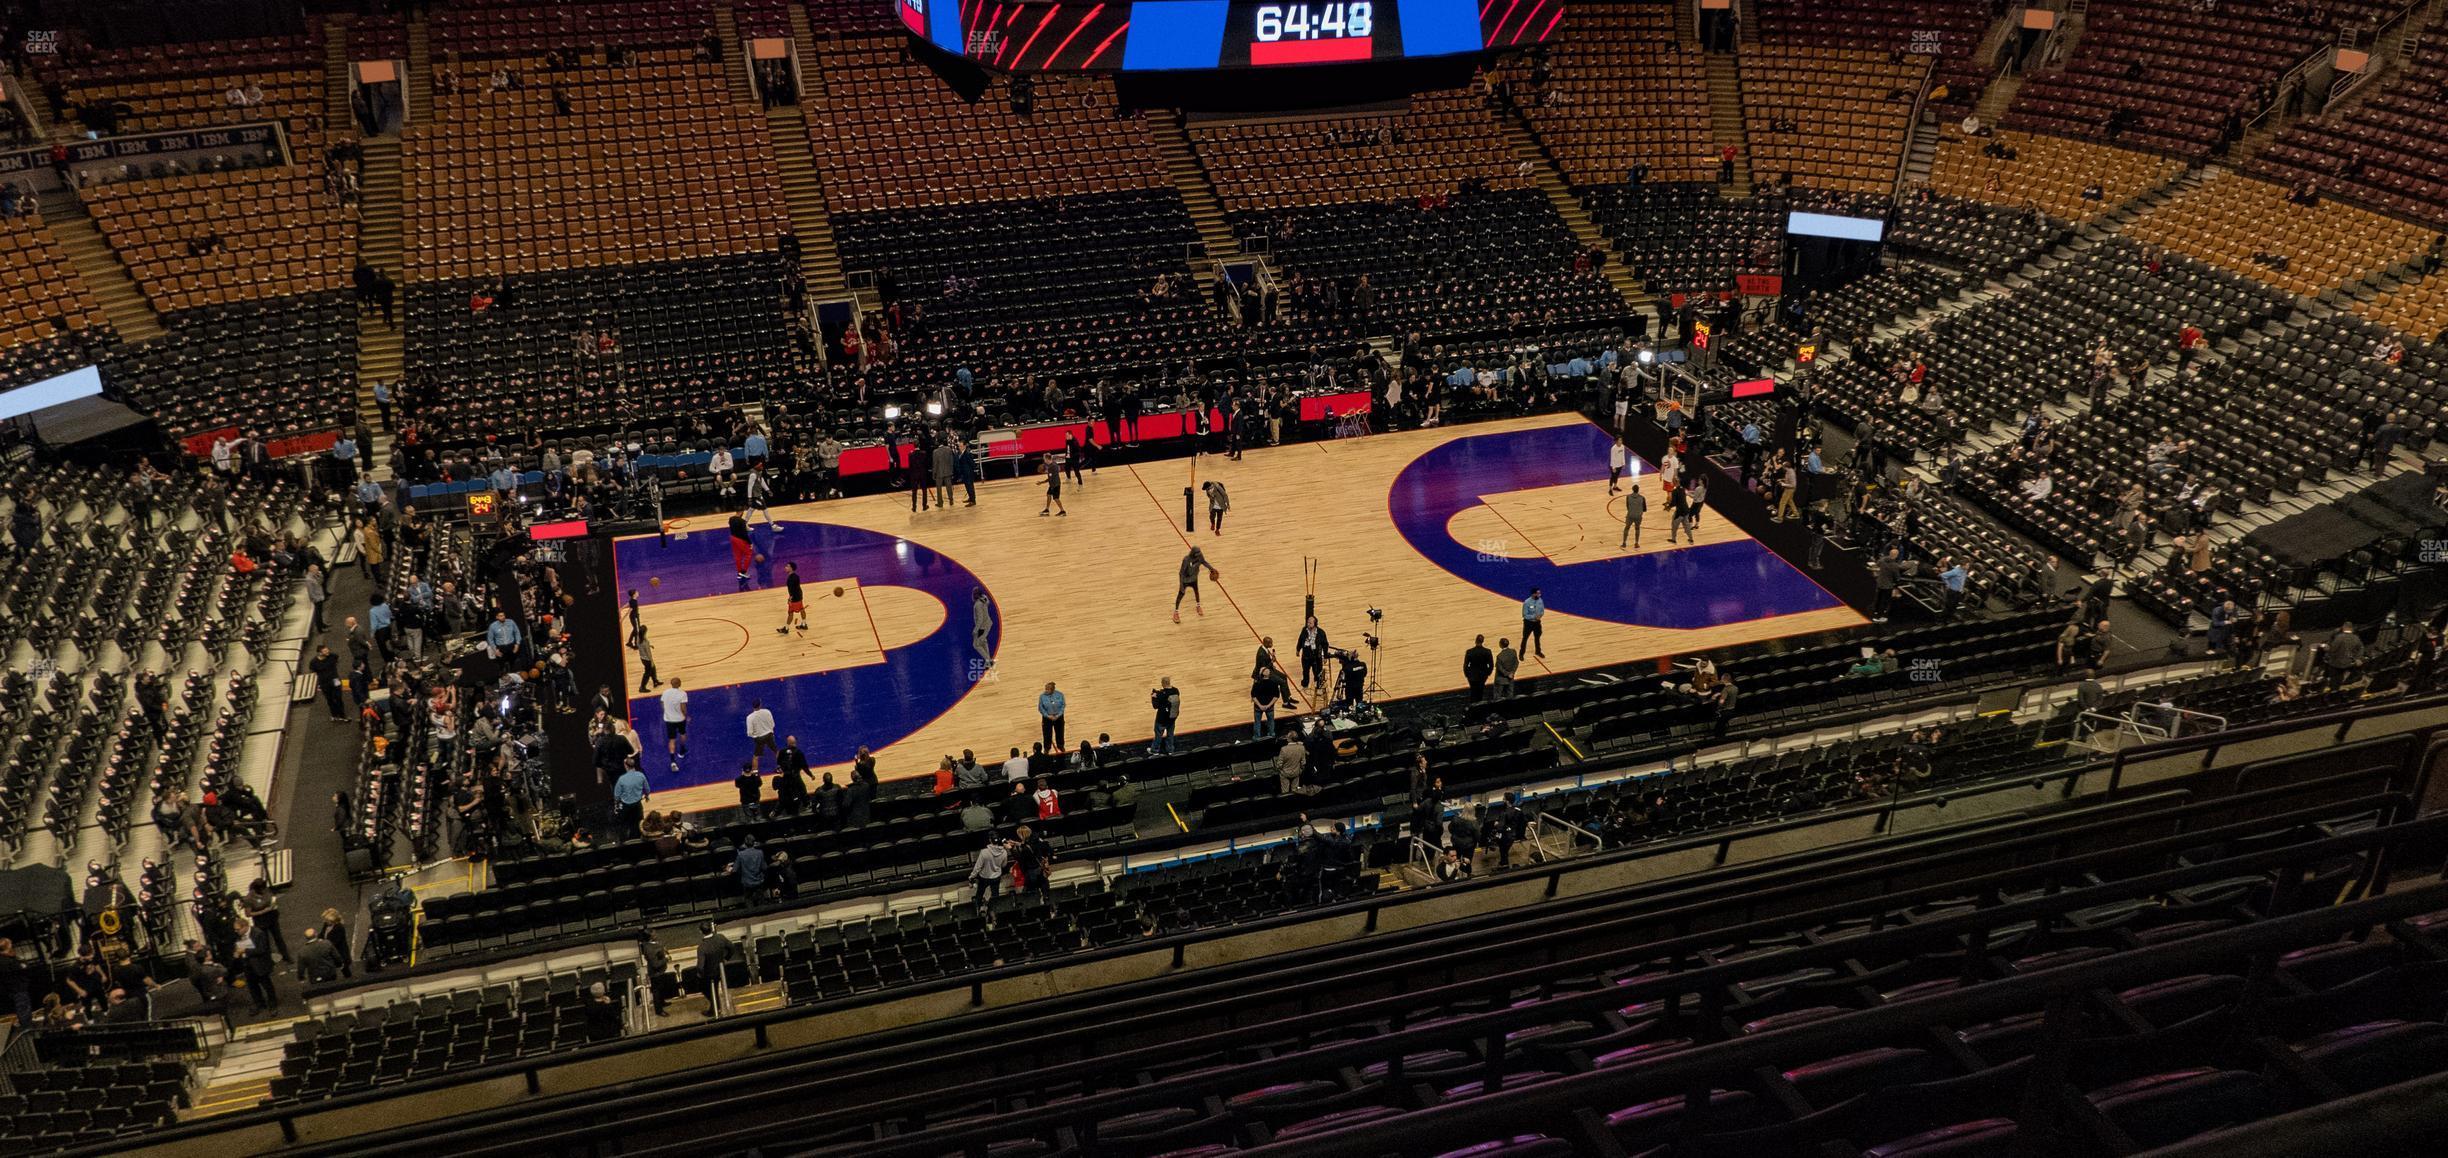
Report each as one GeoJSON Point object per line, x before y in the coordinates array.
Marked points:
{"type": "Point", "coordinates": [1443, 529]}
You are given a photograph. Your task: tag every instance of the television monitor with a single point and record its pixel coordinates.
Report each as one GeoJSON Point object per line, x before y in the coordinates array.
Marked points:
{"type": "Point", "coordinates": [83, 382]}
{"type": "Point", "coordinates": [1830, 225]}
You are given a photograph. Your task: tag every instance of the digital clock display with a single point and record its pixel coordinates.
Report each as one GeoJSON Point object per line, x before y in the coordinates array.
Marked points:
{"type": "Point", "coordinates": [1310, 33]}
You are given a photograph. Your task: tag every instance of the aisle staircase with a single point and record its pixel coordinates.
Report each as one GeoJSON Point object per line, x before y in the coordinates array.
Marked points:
{"type": "Point", "coordinates": [122, 302]}
{"type": "Point", "coordinates": [1995, 99]}
{"type": "Point", "coordinates": [420, 72]}
{"type": "Point", "coordinates": [336, 111]}
{"type": "Point", "coordinates": [381, 354]}
{"type": "Point", "coordinates": [1198, 194]}
{"type": "Point", "coordinates": [1687, 25]}
{"type": "Point", "coordinates": [1726, 119]}
{"type": "Point", "coordinates": [1526, 147]}
{"type": "Point", "coordinates": [1921, 155]}
{"type": "Point", "coordinates": [820, 264]}
{"type": "Point", "coordinates": [735, 56]}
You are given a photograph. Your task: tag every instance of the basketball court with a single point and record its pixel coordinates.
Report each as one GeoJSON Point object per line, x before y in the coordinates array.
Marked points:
{"type": "Point", "coordinates": [1444, 530]}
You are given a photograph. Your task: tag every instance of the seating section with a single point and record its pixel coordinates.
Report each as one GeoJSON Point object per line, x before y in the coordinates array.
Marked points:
{"type": "Point", "coordinates": [2007, 354]}
{"type": "Point", "coordinates": [2170, 76]}
{"type": "Point", "coordinates": [2249, 226]}
{"type": "Point", "coordinates": [2341, 562]}
{"type": "Point", "coordinates": [1445, 141]}
{"type": "Point", "coordinates": [2046, 172]}
{"type": "Point", "coordinates": [2383, 152]}
{"type": "Point", "coordinates": [825, 961]}
{"type": "Point", "coordinates": [1931, 1014]}
{"type": "Point", "coordinates": [1688, 238]}
{"type": "Point", "coordinates": [693, 336]}
{"type": "Point", "coordinates": [2260, 424]}
{"type": "Point", "coordinates": [654, 162]}
{"type": "Point", "coordinates": [273, 367]}
{"type": "Point", "coordinates": [1475, 263]}
{"type": "Point", "coordinates": [1970, 234]}
{"type": "Point", "coordinates": [97, 579]}
{"type": "Point", "coordinates": [485, 27]}
{"type": "Point", "coordinates": [2417, 308]}
{"type": "Point", "coordinates": [1826, 117]}
{"type": "Point", "coordinates": [86, 1103]}
{"type": "Point", "coordinates": [1044, 287]}
{"type": "Point", "coordinates": [48, 296]}
{"type": "Point", "coordinates": [212, 239]}
{"type": "Point", "coordinates": [356, 1051]}
{"type": "Point", "coordinates": [890, 135]}
{"type": "Point", "coordinates": [1950, 33]}
{"type": "Point", "coordinates": [155, 88]}
{"type": "Point", "coordinates": [1621, 91]}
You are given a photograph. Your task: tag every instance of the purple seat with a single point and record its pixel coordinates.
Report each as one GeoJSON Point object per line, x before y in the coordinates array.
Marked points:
{"type": "Point", "coordinates": [1511, 1081]}
{"type": "Point", "coordinates": [2337, 962]}
{"type": "Point", "coordinates": [1355, 1116]}
{"type": "Point", "coordinates": [2165, 1108]}
{"type": "Point", "coordinates": [1517, 1146]}
{"type": "Point", "coordinates": [1792, 1017]}
{"type": "Point", "coordinates": [2168, 1001]}
{"type": "Point", "coordinates": [2361, 1058]}
{"type": "Point", "coordinates": [1428, 1062]}
{"type": "Point", "coordinates": [1962, 1140]}
{"type": "Point", "coordinates": [1836, 1079]}
{"type": "Point", "coordinates": [1643, 1052]}
{"type": "Point", "coordinates": [1141, 1123]}
{"type": "Point", "coordinates": [1284, 1094]}
{"type": "Point", "coordinates": [1650, 1123]}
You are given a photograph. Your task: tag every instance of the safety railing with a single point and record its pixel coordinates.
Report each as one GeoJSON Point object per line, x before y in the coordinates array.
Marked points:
{"type": "Point", "coordinates": [1554, 838]}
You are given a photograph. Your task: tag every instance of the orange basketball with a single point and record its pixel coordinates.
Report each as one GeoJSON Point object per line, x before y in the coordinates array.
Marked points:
{"type": "Point", "coordinates": [839, 590]}
{"type": "Point", "coordinates": [760, 558]}
{"type": "Point", "coordinates": [657, 581]}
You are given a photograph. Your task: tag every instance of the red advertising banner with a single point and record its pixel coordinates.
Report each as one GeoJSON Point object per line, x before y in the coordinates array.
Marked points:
{"type": "Point", "coordinates": [1760, 285]}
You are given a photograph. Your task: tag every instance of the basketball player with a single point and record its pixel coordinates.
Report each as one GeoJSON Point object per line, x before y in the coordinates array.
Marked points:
{"type": "Point", "coordinates": [645, 649]}
{"type": "Point", "coordinates": [1053, 485]}
{"type": "Point", "coordinates": [1191, 565]}
{"type": "Point", "coordinates": [795, 612]}
{"type": "Point", "coordinates": [1634, 507]}
{"type": "Point", "coordinates": [1615, 464]}
{"type": "Point", "coordinates": [759, 492]}
{"type": "Point", "coordinates": [743, 553]}
{"type": "Point", "coordinates": [1217, 503]}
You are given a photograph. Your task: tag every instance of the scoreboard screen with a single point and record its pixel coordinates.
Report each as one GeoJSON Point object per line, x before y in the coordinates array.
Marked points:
{"type": "Point", "coordinates": [1189, 35]}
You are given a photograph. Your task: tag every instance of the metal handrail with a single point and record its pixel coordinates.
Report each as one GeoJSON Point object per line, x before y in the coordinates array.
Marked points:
{"type": "Point", "coordinates": [1597, 843]}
